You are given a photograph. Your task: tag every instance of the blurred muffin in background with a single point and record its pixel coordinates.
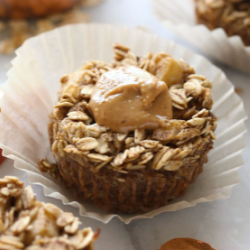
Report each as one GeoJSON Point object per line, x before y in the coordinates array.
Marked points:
{"type": "Point", "coordinates": [32, 8]}
{"type": "Point", "coordinates": [231, 15]}
{"type": "Point", "coordinates": [32, 225]}
{"type": "Point", "coordinates": [20, 20]}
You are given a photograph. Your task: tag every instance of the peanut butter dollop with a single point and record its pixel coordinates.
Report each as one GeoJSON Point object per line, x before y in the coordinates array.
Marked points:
{"type": "Point", "coordinates": [186, 244]}
{"type": "Point", "coordinates": [128, 98]}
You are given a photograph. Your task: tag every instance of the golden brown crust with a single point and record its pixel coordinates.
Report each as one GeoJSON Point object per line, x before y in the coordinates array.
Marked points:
{"type": "Point", "coordinates": [136, 171]}
{"type": "Point", "coordinates": [231, 15]}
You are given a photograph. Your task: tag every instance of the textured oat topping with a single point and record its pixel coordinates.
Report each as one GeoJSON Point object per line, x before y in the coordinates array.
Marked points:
{"type": "Point", "coordinates": [232, 15]}
{"type": "Point", "coordinates": [28, 224]}
{"type": "Point", "coordinates": [76, 136]}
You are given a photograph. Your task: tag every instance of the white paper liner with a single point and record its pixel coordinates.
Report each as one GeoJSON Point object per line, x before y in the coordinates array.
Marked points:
{"type": "Point", "coordinates": [179, 17]}
{"type": "Point", "coordinates": [31, 90]}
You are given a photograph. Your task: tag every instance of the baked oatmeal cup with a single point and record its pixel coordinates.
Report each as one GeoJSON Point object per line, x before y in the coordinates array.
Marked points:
{"type": "Point", "coordinates": [32, 225]}
{"type": "Point", "coordinates": [131, 135]}
{"type": "Point", "coordinates": [231, 15]}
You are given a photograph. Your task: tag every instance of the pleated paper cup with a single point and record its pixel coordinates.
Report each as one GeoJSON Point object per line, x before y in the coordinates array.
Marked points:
{"type": "Point", "coordinates": [179, 17]}
{"type": "Point", "coordinates": [30, 93]}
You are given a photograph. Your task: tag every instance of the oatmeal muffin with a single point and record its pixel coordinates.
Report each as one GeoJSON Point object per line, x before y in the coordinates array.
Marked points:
{"type": "Point", "coordinates": [17, 9]}
{"type": "Point", "coordinates": [231, 15]}
{"type": "Point", "coordinates": [187, 244]}
{"type": "Point", "coordinates": [131, 135]}
{"type": "Point", "coordinates": [32, 225]}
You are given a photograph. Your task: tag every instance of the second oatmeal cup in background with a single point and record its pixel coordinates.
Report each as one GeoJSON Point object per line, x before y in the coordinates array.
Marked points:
{"type": "Point", "coordinates": [30, 94]}
{"type": "Point", "coordinates": [30, 224]}
{"type": "Point", "coordinates": [218, 29]}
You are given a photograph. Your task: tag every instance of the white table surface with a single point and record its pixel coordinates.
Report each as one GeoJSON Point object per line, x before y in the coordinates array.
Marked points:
{"type": "Point", "coordinates": [225, 224]}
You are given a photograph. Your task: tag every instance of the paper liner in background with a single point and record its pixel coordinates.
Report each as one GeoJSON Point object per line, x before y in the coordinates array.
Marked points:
{"type": "Point", "coordinates": [31, 91]}
{"type": "Point", "coordinates": [179, 17]}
